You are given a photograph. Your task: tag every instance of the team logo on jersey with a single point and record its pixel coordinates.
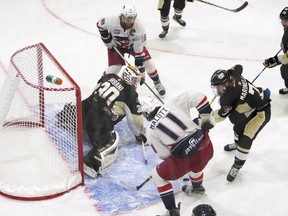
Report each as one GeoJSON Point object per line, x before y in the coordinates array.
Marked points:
{"type": "Point", "coordinates": [116, 31]}
{"type": "Point", "coordinates": [132, 32]}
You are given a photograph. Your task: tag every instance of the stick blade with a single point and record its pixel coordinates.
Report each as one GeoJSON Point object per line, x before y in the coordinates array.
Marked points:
{"type": "Point", "coordinates": [125, 185]}
{"type": "Point", "coordinates": [241, 7]}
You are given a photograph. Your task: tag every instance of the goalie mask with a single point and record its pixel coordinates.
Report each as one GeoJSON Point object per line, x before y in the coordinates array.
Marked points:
{"type": "Point", "coordinates": [131, 75]}
{"type": "Point", "coordinates": [218, 82]}
{"type": "Point", "coordinates": [149, 107]}
{"type": "Point", "coordinates": [203, 210]}
{"type": "Point", "coordinates": [128, 16]}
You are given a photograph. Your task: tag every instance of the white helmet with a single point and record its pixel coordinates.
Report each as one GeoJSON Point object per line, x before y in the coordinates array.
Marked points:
{"type": "Point", "coordinates": [128, 16]}
{"type": "Point", "coordinates": [148, 105]}
{"type": "Point", "coordinates": [129, 10]}
{"type": "Point", "coordinates": [131, 75]}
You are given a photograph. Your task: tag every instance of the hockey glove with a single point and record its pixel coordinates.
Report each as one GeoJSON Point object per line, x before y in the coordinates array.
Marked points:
{"type": "Point", "coordinates": [206, 121]}
{"type": "Point", "coordinates": [142, 78]}
{"type": "Point", "coordinates": [110, 45]}
{"type": "Point", "coordinates": [271, 62]}
{"type": "Point", "coordinates": [141, 139]}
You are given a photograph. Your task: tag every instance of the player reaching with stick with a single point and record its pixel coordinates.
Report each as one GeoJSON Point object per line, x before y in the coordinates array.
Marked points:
{"type": "Point", "coordinates": [281, 59]}
{"type": "Point", "coordinates": [184, 145]}
{"type": "Point", "coordinates": [248, 108]}
{"type": "Point", "coordinates": [127, 34]}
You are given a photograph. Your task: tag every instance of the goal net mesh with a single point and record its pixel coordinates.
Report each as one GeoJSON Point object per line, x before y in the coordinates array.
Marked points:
{"type": "Point", "coordinates": [39, 157]}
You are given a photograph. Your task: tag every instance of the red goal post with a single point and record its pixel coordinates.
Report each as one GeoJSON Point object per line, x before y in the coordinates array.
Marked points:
{"type": "Point", "coordinates": [39, 159]}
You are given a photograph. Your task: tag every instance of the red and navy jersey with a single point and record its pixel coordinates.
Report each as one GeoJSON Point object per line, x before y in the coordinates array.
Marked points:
{"type": "Point", "coordinates": [173, 122]}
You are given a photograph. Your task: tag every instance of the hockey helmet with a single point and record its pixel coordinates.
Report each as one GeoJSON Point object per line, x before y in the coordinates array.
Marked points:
{"type": "Point", "coordinates": [131, 75]}
{"type": "Point", "coordinates": [203, 210]}
{"type": "Point", "coordinates": [128, 15]}
{"type": "Point", "coordinates": [218, 81]}
{"type": "Point", "coordinates": [284, 14]}
{"type": "Point", "coordinates": [148, 106]}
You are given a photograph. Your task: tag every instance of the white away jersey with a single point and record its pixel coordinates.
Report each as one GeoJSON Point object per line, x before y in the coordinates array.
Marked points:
{"type": "Point", "coordinates": [134, 37]}
{"type": "Point", "coordinates": [173, 122]}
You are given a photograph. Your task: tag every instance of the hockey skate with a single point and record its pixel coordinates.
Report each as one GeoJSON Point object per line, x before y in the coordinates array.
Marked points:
{"type": "Point", "coordinates": [189, 189]}
{"type": "Point", "coordinates": [160, 88]}
{"type": "Point", "coordinates": [172, 212]}
{"type": "Point", "coordinates": [179, 20]}
{"type": "Point", "coordinates": [164, 32]}
{"type": "Point", "coordinates": [230, 147]}
{"type": "Point", "coordinates": [283, 91]}
{"type": "Point", "coordinates": [232, 173]}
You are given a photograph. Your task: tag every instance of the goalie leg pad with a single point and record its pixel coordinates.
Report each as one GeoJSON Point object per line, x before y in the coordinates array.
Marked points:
{"type": "Point", "coordinates": [98, 159]}
{"type": "Point", "coordinates": [109, 154]}
{"type": "Point", "coordinates": [93, 163]}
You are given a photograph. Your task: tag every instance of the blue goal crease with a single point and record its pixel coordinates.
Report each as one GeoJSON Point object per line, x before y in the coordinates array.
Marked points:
{"type": "Point", "coordinates": [129, 166]}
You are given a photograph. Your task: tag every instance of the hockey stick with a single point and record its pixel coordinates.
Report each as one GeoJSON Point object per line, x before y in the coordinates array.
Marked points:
{"type": "Point", "coordinates": [253, 79]}
{"type": "Point", "coordinates": [134, 188]}
{"type": "Point", "coordinates": [144, 81]}
{"type": "Point", "coordinates": [144, 153]}
{"type": "Point", "coordinates": [265, 67]}
{"type": "Point", "coordinates": [212, 100]}
{"type": "Point", "coordinates": [231, 10]}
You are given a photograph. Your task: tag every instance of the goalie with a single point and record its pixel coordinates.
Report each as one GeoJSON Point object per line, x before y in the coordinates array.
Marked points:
{"type": "Point", "coordinates": [112, 100]}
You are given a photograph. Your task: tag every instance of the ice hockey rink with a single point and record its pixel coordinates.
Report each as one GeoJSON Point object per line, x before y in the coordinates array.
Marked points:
{"type": "Point", "coordinates": [212, 39]}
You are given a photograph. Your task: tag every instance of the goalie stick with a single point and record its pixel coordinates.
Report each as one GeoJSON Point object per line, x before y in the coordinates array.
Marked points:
{"type": "Point", "coordinates": [134, 188]}
{"type": "Point", "coordinates": [228, 9]}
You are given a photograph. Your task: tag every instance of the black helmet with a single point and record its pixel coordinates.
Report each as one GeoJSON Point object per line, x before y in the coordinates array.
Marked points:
{"type": "Point", "coordinates": [284, 14]}
{"type": "Point", "coordinates": [219, 77]}
{"type": "Point", "coordinates": [203, 210]}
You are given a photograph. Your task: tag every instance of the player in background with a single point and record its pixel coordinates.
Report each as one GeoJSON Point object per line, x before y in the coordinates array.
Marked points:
{"type": "Point", "coordinates": [283, 58]}
{"type": "Point", "coordinates": [248, 108]}
{"type": "Point", "coordinates": [127, 34]}
{"type": "Point", "coordinates": [182, 144]}
{"type": "Point", "coordinates": [114, 98]}
{"type": "Point", "coordinates": [164, 8]}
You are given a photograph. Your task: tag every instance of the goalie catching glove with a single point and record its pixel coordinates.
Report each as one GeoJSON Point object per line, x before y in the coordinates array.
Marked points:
{"type": "Point", "coordinates": [271, 62]}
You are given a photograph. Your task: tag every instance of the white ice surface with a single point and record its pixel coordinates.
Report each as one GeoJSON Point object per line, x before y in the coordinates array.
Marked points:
{"type": "Point", "coordinates": [186, 58]}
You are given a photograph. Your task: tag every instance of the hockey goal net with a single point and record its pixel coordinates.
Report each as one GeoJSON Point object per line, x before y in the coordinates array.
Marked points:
{"type": "Point", "coordinates": [39, 159]}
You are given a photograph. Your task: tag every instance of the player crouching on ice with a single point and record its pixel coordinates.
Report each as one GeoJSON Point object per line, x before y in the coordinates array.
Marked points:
{"type": "Point", "coordinates": [183, 144]}
{"type": "Point", "coordinates": [114, 98]}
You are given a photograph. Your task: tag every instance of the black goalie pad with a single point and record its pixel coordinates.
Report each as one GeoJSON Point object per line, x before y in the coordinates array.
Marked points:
{"type": "Point", "coordinates": [66, 118]}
